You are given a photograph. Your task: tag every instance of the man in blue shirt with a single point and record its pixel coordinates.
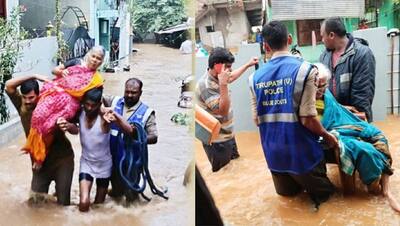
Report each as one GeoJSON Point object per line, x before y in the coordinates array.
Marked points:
{"type": "Point", "coordinates": [284, 94]}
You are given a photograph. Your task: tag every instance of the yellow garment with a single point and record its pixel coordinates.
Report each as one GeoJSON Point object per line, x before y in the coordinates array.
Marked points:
{"type": "Point", "coordinates": [97, 81]}
{"type": "Point", "coordinates": [35, 144]}
{"type": "Point", "coordinates": [35, 140]}
{"type": "Point", "coordinates": [320, 108]}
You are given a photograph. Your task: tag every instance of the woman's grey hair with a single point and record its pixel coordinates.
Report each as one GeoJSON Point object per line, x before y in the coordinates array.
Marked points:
{"type": "Point", "coordinates": [323, 71]}
{"type": "Point", "coordinates": [96, 49]}
{"type": "Point", "coordinates": [99, 49]}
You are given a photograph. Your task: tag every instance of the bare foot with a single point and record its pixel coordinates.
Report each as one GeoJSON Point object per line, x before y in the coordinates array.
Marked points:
{"type": "Point", "coordinates": [84, 206]}
{"type": "Point", "coordinates": [386, 193]}
{"type": "Point", "coordinates": [393, 202]}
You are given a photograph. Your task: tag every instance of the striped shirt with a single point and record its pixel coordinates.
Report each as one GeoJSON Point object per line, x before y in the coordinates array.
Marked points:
{"type": "Point", "coordinates": [207, 95]}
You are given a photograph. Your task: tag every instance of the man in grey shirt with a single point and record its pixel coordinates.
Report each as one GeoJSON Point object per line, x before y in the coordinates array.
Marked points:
{"type": "Point", "coordinates": [353, 67]}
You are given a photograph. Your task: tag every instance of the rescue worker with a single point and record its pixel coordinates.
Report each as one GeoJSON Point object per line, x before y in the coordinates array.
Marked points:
{"type": "Point", "coordinates": [133, 110]}
{"type": "Point", "coordinates": [283, 96]}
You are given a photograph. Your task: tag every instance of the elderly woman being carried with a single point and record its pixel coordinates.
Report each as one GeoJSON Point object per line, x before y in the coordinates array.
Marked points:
{"type": "Point", "coordinates": [363, 147]}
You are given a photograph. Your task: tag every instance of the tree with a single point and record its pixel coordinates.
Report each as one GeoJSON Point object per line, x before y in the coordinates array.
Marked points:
{"type": "Point", "coordinates": [11, 35]}
{"type": "Point", "coordinates": [62, 51]}
{"type": "Point", "coordinates": [154, 15]}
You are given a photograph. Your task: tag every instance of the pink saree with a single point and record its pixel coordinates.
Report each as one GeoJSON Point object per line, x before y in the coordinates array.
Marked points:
{"type": "Point", "coordinates": [59, 98]}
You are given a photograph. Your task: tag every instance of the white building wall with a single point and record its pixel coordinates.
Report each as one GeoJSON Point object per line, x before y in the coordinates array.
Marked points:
{"type": "Point", "coordinates": [316, 9]}
{"type": "Point", "coordinates": [232, 23]}
{"type": "Point", "coordinates": [124, 33]}
{"type": "Point", "coordinates": [10, 4]}
{"type": "Point", "coordinates": [204, 35]}
{"type": "Point", "coordinates": [379, 44]}
{"type": "Point", "coordinates": [37, 57]}
{"type": "Point", "coordinates": [93, 22]}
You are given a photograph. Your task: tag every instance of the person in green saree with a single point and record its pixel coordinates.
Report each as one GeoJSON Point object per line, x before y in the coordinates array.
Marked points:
{"type": "Point", "coordinates": [363, 147]}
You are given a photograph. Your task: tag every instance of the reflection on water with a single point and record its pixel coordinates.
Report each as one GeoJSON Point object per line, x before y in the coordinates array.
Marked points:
{"type": "Point", "coordinates": [245, 194]}
{"type": "Point", "coordinates": [167, 164]}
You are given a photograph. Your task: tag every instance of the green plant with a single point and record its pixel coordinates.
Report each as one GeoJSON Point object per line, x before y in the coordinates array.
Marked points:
{"type": "Point", "coordinates": [11, 35]}
{"type": "Point", "coordinates": [62, 52]}
{"type": "Point", "coordinates": [183, 119]}
{"type": "Point", "coordinates": [153, 15]}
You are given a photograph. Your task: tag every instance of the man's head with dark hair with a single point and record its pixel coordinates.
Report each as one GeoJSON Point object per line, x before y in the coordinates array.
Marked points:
{"type": "Point", "coordinates": [133, 91]}
{"type": "Point", "coordinates": [332, 29]}
{"type": "Point", "coordinates": [30, 93]}
{"type": "Point", "coordinates": [276, 36]}
{"type": "Point", "coordinates": [220, 55]}
{"type": "Point", "coordinates": [30, 85]}
{"type": "Point", "coordinates": [94, 94]}
{"type": "Point", "coordinates": [335, 25]}
{"type": "Point", "coordinates": [135, 80]}
{"type": "Point", "coordinates": [92, 101]}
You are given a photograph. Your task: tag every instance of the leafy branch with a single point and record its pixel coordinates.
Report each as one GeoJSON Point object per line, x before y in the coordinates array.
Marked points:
{"type": "Point", "coordinates": [11, 35]}
{"type": "Point", "coordinates": [62, 52]}
{"type": "Point", "coordinates": [154, 15]}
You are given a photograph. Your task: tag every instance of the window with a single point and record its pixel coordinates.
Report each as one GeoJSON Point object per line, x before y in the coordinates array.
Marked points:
{"type": "Point", "coordinates": [210, 28]}
{"type": "Point", "coordinates": [304, 30]}
{"type": "Point", "coordinates": [3, 9]}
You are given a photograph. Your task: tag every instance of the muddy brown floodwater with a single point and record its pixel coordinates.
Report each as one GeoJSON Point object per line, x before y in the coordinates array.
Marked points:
{"type": "Point", "coordinates": [245, 194]}
{"type": "Point", "coordinates": [160, 69]}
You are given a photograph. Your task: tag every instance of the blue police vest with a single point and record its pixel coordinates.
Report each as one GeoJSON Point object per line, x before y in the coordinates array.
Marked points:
{"type": "Point", "coordinates": [140, 116]}
{"type": "Point", "coordinates": [288, 146]}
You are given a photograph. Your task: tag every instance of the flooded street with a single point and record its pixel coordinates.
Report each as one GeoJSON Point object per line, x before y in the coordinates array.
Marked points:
{"type": "Point", "coordinates": [160, 69]}
{"type": "Point", "coordinates": [245, 195]}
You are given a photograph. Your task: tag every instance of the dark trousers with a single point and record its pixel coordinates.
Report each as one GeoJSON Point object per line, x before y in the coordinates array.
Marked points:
{"type": "Point", "coordinates": [315, 182]}
{"type": "Point", "coordinates": [61, 171]}
{"type": "Point", "coordinates": [100, 182]}
{"type": "Point", "coordinates": [220, 154]}
{"type": "Point", "coordinates": [119, 189]}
